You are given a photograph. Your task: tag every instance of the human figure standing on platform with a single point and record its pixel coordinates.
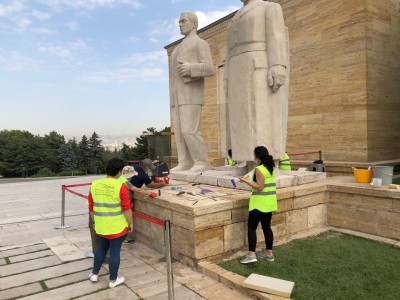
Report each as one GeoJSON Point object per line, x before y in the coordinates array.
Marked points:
{"type": "Point", "coordinates": [263, 202]}
{"type": "Point", "coordinates": [191, 61]}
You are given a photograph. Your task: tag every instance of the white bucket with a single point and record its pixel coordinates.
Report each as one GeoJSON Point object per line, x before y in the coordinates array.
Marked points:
{"type": "Point", "coordinates": [384, 172]}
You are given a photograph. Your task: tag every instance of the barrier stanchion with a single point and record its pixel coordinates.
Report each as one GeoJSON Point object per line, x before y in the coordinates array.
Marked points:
{"type": "Point", "coordinates": [168, 257]}
{"type": "Point", "coordinates": [62, 226]}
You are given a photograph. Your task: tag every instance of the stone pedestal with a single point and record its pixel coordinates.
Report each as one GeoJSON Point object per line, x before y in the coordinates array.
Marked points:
{"type": "Point", "coordinates": [213, 222]}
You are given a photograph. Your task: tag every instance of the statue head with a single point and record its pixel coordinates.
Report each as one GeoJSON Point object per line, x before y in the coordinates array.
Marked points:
{"type": "Point", "coordinates": [188, 23]}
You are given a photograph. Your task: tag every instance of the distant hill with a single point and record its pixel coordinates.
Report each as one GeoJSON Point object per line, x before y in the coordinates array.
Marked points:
{"type": "Point", "coordinates": [112, 141]}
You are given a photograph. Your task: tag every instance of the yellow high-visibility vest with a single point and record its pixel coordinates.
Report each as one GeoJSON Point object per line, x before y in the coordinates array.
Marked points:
{"type": "Point", "coordinates": [109, 218]}
{"type": "Point", "coordinates": [284, 163]}
{"type": "Point", "coordinates": [265, 200]}
{"type": "Point", "coordinates": [230, 161]}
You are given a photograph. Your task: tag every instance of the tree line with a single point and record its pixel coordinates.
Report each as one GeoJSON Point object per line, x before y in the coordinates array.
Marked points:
{"type": "Point", "coordinates": [24, 154]}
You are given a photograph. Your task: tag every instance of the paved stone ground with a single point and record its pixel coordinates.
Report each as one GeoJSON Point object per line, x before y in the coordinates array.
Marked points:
{"type": "Point", "coordinates": [40, 262]}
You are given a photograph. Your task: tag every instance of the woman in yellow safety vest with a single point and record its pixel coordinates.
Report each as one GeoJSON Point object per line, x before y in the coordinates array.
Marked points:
{"type": "Point", "coordinates": [110, 210]}
{"type": "Point", "coordinates": [262, 203]}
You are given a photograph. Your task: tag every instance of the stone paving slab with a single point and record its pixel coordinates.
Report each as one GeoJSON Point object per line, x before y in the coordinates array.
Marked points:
{"type": "Point", "coordinates": [72, 278]}
{"type": "Point", "coordinates": [154, 288]}
{"type": "Point", "coordinates": [23, 250]}
{"type": "Point", "coordinates": [25, 266]}
{"type": "Point", "coordinates": [2, 261]}
{"type": "Point", "coordinates": [29, 256]}
{"type": "Point", "coordinates": [180, 292]}
{"type": "Point", "coordinates": [67, 252]}
{"type": "Point", "coordinates": [70, 291]}
{"type": "Point", "coordinates": [46, 273]}
{"type": "Point", "coordinates": [121, 292]}
{"type": "Point", "coordinates": [21, 291]}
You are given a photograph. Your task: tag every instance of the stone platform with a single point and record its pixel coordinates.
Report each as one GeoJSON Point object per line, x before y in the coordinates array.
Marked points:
{"type": "Point", "coordinates": [213, 221]}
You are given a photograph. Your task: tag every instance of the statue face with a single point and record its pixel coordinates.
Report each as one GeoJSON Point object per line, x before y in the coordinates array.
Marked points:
{"type": "Point", "coordinates": [186, 25]}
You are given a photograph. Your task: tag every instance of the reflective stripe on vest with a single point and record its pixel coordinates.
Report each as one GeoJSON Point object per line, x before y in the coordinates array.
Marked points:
{"type": "Point", "coordinates": [109, 217]}
{"type": "Point", "coordinates": [265, 200]}
{"type": "Point", "coordinates": [284, 163]}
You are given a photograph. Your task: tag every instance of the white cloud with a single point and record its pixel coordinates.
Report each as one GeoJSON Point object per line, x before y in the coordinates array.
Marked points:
{"type": "Point", "coordinates": [154, 40]}
{"type": "Point", "coordinates": [23, 24]}
{"type": "Point", "coordinates": [206, 18]}
{"type": "Point", "coordinates": [147, 57]}
{"type": "Point", "coordinates": [15, 7]}
{"type": "Point", "coordinates": [15, 62]}
{"type": "Point", "coordinates": [133, 39]}
{"type": "Point", "coordinates": [90, 4]}
{"type": "Point", "coordinates": [124, 75]}
{"type": "Point", "coordinates": [65, 52]}
{"type": "Point", "coordinates": [42, 16]}
{"type": "Point", "coordinates": [73, 26]}
{"type": "Point", "coordinates": [43, 30]}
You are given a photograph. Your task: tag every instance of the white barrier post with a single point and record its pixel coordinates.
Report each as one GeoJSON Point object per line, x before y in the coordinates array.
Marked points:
{"type": "Point", "coordinates": [62, 226]}
{"type": "Point", "coordinates": [168, 258]}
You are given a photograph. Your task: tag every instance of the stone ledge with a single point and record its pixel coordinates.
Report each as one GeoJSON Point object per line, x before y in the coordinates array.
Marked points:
{"type": "Point", "coordinates": [232, 280]}
{"type": "Point", "coordinates": [224, 178]}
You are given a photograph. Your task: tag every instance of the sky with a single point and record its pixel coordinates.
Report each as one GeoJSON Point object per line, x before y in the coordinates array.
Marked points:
{"type": "Point", "coordinates": [79, 66]}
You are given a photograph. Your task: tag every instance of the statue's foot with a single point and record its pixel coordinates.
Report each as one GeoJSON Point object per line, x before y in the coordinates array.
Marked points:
{"type": "Point", "coordinates": [180, 168]}
{"type": "Point", "coordinates": [199, 167]}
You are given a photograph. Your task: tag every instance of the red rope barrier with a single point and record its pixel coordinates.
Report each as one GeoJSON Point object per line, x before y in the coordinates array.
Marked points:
{"type": "Point", "coordinates": [306, 153]}
{"type": "Point", "coordinates": [76, 193]}
{"type": "Point", "coordinates": [148, 218]}
{"type": "Point", "coordinates": [75, 185]}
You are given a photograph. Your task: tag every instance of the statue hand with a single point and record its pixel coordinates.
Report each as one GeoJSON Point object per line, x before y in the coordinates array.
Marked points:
{"type": "Point", "coordinates": [184, 69]}
{"type": "Point", "coordinates": [276, 77]}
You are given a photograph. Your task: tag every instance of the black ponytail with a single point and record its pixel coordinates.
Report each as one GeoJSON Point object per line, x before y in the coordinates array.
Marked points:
{"type": "Point", "coordinates": [267, 160]}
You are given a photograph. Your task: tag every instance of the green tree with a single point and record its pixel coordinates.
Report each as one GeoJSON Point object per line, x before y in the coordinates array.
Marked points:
{"type": "Point", "coordinates": [67, 158]}
{"type": "Point", "coordinates": [54, 141]}
{"type": "Point", "coordinates": [83, 154]}
{"type": "Point", "coordinates": [96, 153]}
{"type": "Point", "coordinates": [108, 154]}
{"type": "Point", "coordinates": [74, 145]}
{"type": "Point", "coordinates": [21, 153]}
{"type": "Point", "coordinates": [127, 152]}
{"type": "Point", "coordinates": [141, 147]}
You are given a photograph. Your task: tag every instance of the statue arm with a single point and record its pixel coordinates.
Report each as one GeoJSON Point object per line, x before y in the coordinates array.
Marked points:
{"type": "Point", "coordinates": [205, 66]}
{"type": "Point", "coordinates": [276, 46]}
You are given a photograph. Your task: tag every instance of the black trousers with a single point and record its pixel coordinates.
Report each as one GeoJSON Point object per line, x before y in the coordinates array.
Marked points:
{"type": "Point", "coordinates": [255, 217]}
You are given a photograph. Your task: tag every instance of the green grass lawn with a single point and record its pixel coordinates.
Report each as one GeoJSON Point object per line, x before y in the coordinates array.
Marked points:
{"type": "Point", "coordinates": [332, 266]}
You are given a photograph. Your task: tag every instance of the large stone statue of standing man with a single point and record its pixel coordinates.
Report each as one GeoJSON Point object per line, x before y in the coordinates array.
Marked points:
{"type": "Point", "coordinates": [256, 80]}
{"type": "Point", "coordinates": [191, 61]}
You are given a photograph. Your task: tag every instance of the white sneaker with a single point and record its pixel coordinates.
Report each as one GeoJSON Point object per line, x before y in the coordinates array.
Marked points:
{"type": "Point", "coordinates": [118, 281]}
{"type": "Point", "coordinates": [249, 259]}
{"type": "Point", "coordinates": [93, 277]}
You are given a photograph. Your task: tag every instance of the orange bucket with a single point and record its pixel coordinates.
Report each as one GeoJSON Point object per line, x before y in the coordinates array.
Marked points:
{"type": "Point", "coordinates": [363, 175]}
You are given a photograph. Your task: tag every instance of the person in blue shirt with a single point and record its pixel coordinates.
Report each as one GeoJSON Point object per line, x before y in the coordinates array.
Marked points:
{"type": "Point", "coordinates": [143, 178]}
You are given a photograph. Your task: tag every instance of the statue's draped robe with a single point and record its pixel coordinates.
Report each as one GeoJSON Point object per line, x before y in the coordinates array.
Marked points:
{"type": "Point", "coordinates": [257, 40]}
